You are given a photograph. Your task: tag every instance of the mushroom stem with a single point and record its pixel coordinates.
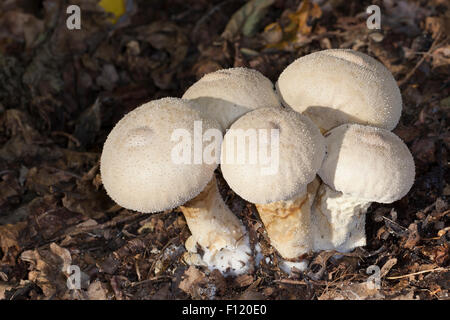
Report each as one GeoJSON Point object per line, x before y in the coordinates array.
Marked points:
{"type": "Point", "coordinates": [288, 222]}
{"type": "Point", "coordinates": [338, 220]}
{"type": "Point", "coordinates": [218, 231]}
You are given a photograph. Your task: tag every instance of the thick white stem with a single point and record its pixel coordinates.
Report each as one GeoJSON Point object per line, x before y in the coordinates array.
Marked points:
{"type": "Point", "coordinates": [338, 221]}
{"type": "Point", "coordinates": [288, 223]}
{"type": "Point", "coordinates": [218, 231]}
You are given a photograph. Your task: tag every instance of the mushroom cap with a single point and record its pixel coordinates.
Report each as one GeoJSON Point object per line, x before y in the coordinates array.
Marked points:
{"type": "Point", "coordinates": [367, 163]}
{"type": "Point", "coordinates": [137, 169]}
{"type": "Point", "coordinates": [340, 86]}
{"type": "Point", "coordinates": [301, 149]}
{"type": "Point", "coordinates": [227, 94]}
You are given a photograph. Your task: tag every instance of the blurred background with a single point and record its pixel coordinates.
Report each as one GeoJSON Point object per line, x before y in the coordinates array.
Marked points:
{"type": "Point", "coordinates": [62, 89]}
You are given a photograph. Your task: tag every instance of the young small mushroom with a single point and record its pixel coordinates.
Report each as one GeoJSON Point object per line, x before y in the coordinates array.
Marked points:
{"type": "Point", "coordinates": [363, 165]}
{"type": "Point", "coordinates": [338, 86]}
{"type": "Point", "coordinates": [140, 171]}
{"type": "Point", "coordinates": [270, 157]}
{"type": "Point", "coordinates": [227, 94]}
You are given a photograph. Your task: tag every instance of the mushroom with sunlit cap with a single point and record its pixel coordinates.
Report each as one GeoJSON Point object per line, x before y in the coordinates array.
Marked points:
{"type": "Point", "coordinates": [227, 94]}
{"type": "Point", "coordinates": [338, 86]}
{"type": "Point", "coordinates": [139, 172]}
{"type": "Point", "coordinates": [278, 184]}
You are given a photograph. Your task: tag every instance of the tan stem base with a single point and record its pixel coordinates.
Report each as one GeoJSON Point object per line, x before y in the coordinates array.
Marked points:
{"type": "Point", "coordinates": [338, 221]}
{"type": "Point", "coordinates": [288, 223]}
{"type": "Point", "coordinates": [217, 230]}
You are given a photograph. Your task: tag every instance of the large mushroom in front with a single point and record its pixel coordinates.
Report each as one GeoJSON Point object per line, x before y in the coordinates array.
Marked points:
{"type": "Point", "coordinates": [147, 166]}
{"type": "Point", "coordinates": [270, 157]}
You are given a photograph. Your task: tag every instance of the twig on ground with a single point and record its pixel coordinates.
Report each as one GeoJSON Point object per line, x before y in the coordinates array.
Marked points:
{"type": "Point", "coordinates": [434, 46]}
{"type": "Point", "coordinates": [418, 272]}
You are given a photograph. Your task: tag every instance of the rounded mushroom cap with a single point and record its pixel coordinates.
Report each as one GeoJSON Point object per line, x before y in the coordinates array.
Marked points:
{"type": "Point", "coordinates": [137, 168]}
{"type": "Point", "coordinates": [282, 165]}
{"type": "Point", "coordinates": [227, 94]}
{"type": "Point", "coordinates": [367, 163]}
{"type": "Point", "coordinates": [340, 86]}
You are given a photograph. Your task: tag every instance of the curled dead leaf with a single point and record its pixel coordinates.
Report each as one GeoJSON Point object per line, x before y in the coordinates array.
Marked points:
{"type": "Point", "coordinates": [10, 240]}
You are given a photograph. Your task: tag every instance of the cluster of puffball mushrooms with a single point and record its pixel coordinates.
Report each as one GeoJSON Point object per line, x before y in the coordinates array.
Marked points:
{"type": "Point", "coordinates": [334, 111]}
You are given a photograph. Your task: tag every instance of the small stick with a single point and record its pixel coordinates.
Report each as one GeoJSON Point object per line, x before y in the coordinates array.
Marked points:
{"type": "Point", "coordinates": [416, 273]}
{"type": "Point", "coordinates": [157, 278]}
{"type": "Point", "coordinates": [290, 281]}
{"type": "Point", "coordinates": [68, 136]}
{"type": "Point", "coordinates": [419, 63]}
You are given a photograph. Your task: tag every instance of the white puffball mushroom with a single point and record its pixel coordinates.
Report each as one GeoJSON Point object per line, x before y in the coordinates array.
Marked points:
{"type": "Point", "coordinates": [269, 156]}
{"type": "Point", "coordinates": [363, 165]}
{"type": "Point", "coordinates": [339, 86]}
{"type": "Point", "coordinates": [140, 172]}
{"type": "Point", "coordinates": [227, 94]}
{"type": "Point", "coordinates": [137, 168]}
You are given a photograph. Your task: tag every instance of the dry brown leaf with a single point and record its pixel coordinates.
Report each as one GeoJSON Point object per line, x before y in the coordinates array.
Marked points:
{"type": "Point", "coordinates": [48, 268]}
{"type": "Point", "coordinates": [23, 27]}
{"type": "Point", "coordinates": [413, 236]}
{"type": "Point", "coordinates": [387, 267]}
{"type": "Point", "coordinates": [441, 57]}
{"type": "Point", "coordinates": [97, 291]}
{"type": "Point", "coordinates": [296, 30]}
{"type": "Point", "coordinates": [192, 278]}
{"type": "Point", "coordinates": [10, 239]}
{"type": "Point", "coordinates": [353, 291]}
{"type": "Point", "coordinates": [244, 280]}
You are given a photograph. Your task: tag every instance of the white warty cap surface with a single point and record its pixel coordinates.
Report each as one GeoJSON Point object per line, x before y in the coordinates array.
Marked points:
{"type": "Point", "coordinates": [340, 86]}
{"type": "Point", "coordinates": [301, 151]}
{"type": "Point", "coordinates": [136, 165]}
{"type": "Point", "coordinates": [367, 163]}
{"type": "Point", "coordinates": [227, 94]}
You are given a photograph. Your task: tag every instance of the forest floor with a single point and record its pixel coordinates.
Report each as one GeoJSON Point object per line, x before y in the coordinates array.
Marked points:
{"type": "Point", "coordinates": [61, 92]}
